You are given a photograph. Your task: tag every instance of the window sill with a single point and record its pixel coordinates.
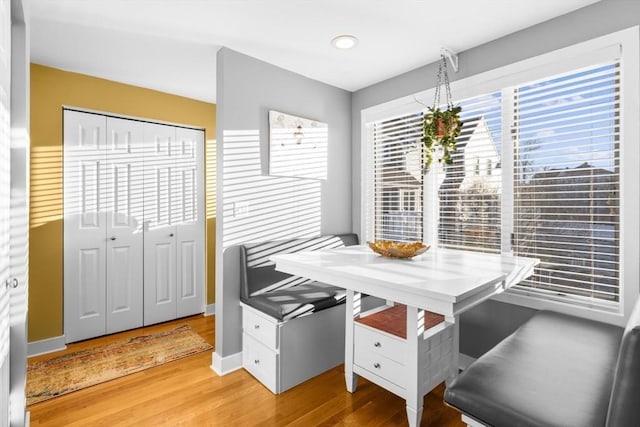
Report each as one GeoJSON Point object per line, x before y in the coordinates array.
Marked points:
{"type": "Point", "coordinates": [561, 304]}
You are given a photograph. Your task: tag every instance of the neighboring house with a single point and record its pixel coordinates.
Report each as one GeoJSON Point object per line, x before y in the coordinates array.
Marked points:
{"type": "Point", "coordinates": [474, 176]}
{"type": "Point", "coordinates": [400, 179]}
{"type": "Point", "coordinates": [581, 204]}
{"type": "Point", "coordinates": [474, 173]}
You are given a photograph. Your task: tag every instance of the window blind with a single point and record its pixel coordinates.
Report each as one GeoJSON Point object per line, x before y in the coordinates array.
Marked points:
{"type": "Point", "coordinates": [567, 180]}
{"type": "Point", "coordinates": [397, 176]}
{"type": "Point", "coordinates": [470, 193]}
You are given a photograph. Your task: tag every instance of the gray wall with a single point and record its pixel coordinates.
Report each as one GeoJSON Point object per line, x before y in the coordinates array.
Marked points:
{"type": "Point", "coordinates": [247, 89]}
{"type": "Point", "coordinates": [488, 323]}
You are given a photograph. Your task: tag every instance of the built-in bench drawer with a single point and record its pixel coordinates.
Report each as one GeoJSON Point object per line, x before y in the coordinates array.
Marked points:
{"type": "Point", "coordinates": [260, 327]}
{"type": "Point", "coordinates": [260, 361]}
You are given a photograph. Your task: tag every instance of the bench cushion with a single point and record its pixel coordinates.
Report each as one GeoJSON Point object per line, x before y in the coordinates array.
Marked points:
{"type": "Point", "coordinates": [297, 301]}
{"type": "Point", "coordinates": [281, 295]}
{"type": "Point", "coordinates": [555, 370]}
{"type": "Point", "coordinates": [624, 407]}
{"type": "Point", "coordinates": [258, 273]}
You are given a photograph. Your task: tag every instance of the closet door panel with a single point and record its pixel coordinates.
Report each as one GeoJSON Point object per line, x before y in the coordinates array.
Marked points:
{"type": "Point", "coordinates": [124, 218]}
{"type": "Point", "coordinates": [190, 221]}
{"type": "Point", "coordinates": [163, 261]}
{"type": "Point", "coordinates": [84, 225]}
{"type": "Point", "coordinates": [160, 195]}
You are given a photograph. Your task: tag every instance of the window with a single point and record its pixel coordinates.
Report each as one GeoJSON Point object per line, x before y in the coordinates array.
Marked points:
{"type": "Point", "coordinates": [547, 151]}
{"type": "Point", "coordinates": [566, 182]}
{"type": "Point", "coordinates": [397, 175]}
{"type": "Point", "coordinates": [469, 195]}
{"type": "Point", "coordinates": [410, 199]}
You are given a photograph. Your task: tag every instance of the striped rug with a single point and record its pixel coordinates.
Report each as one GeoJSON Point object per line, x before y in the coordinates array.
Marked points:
{"type": "Point", "coordinates": [74, 371]}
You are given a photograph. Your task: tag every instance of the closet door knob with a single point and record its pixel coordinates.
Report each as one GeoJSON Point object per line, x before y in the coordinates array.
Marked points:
{"type": "Point", "coordinates": [11, 283]}
{"type": "Point", "coordinates": [113, 237]}
{"type": "Point", "coordinates": [171, 235]}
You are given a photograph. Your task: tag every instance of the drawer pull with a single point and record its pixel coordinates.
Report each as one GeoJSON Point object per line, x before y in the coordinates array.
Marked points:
{"type": "Point", "coordinates": [256, 362]}
{"type": "Point", "coordinates": [376, 365]}
{"type": "Point", "coordinates": [256, 326]}
{"type": "Point", "coordinates": [377, 344]}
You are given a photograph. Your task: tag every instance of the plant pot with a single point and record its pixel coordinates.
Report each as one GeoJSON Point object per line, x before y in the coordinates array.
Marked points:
{"type": "Point", "coordinates": [442, 130]}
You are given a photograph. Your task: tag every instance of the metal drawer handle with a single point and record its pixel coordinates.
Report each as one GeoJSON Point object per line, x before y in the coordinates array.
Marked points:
{"type": "Point", "coordinates": [11, 283]}
{"type": "Point", "coordinates": [257, 361]}
{"type": "Point", "coordinates": [376, 365]}
{"type": "Point", "coordinates": [377, 344]}
{"type": "Point", "coordinates": [256, 326]}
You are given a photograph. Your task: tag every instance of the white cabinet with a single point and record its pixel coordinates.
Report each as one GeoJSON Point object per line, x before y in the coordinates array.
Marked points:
{"type": "Point", "coordinates": [261, 347]}
{"type": "Point", "coordinates": [133, 223]}
{"type": "Point", "coordinates": [283, 354]}
{"type": "Point", "coordinates": [380, 350]}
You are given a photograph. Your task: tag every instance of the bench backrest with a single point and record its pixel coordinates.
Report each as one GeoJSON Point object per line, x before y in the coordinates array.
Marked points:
{"type": "Point", "coordinates": [258, 274]}
{"type": "Point", "coordinates": [624, 405]}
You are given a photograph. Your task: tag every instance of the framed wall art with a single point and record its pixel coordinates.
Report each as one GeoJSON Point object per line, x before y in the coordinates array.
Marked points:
{"type": "Point", "coordinates": [297, 146]}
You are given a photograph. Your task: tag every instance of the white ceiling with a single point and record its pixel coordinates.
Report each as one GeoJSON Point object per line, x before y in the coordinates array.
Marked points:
{"type": "Point", "coordinates": [171, 45]}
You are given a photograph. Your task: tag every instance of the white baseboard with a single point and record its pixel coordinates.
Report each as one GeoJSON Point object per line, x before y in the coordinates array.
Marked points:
{"type": "Point", "coordinates": [464, 361]}
{"type": "Point", "coordinates": [471, 422]}
{"type": "Point", "coordinates": [225, 365]}
{"type": "Point", "coordinates": [210, 309]}
{"type": "Point", "coordinates": [49, 345]}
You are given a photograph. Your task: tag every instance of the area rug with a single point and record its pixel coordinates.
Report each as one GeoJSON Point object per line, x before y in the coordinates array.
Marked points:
{"type": "Point", "coordinates": [73, 371]}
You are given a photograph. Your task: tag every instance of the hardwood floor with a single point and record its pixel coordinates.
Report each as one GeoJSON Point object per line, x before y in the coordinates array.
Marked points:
{"type": "Point", "coordinates": [188, 393]}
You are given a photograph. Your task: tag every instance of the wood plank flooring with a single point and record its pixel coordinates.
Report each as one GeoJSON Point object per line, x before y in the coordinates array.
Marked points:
{"type": "Point", "coordinates": [187, 392]}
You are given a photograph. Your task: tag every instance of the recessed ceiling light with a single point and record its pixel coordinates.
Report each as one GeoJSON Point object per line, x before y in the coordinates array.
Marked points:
{"type": "Point", "coordinates": [344, 42]}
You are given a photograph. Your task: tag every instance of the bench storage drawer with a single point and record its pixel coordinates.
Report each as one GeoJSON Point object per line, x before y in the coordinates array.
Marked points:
{"type": "Point", "coordinates": [260, 327]}
{"type": "Point", "coordinates": [260, 361]}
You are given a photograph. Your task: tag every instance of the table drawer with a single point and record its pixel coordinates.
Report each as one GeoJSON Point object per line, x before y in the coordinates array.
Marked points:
{"type": "Point", "coordinates": [381, 366]}
{"type": "Point", "coordinates": [260, 361]}
{"type": "Point", "coordinates": [369, 341]}
{"type": "Point", "coordinates": [260, 327]}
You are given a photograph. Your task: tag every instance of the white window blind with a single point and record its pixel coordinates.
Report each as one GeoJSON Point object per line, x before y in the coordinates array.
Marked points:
{"type": "Point", "coordinates": [397, 176]}
{"type": "Point", "coordinates": [566, 182]}
{"type": "Point", "coordinates": [470, 193]}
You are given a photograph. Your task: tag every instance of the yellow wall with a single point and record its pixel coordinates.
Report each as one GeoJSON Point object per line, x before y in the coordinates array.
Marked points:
{"type": "Point", "coordinates": [51, 89]}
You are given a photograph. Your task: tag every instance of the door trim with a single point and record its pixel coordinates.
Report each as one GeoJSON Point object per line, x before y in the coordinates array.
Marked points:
{"type": "Point", "coordinates": [127, 117]}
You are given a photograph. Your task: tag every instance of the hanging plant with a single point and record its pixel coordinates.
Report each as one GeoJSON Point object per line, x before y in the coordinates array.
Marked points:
{"type": "Point", "coordinates": [440, 128]}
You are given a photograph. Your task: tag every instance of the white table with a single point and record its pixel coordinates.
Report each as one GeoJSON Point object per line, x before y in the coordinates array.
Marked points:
{"type": "Point", "coordinates": [442, 281]}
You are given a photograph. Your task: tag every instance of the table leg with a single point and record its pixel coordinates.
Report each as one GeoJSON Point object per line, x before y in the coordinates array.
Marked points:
{"type": "Point", "coordinates": [352, 310]}
{"type": "Point", "coordinates": [414, 398]}
{"type": "Point", "coordinates": [455, 351]}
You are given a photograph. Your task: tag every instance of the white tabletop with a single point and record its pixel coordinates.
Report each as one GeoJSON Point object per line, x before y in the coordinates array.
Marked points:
{"type": "Point", "coordinates": [441, 280]}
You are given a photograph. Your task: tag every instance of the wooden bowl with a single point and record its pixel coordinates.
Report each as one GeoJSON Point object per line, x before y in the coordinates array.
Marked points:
{"type": "Point", "coordinates": [393, 249]}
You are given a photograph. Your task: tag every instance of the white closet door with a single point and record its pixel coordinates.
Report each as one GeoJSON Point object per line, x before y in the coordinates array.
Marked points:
{"type": "Point", "coordinates": [160, 193]}
{"type": "Point", "coordinates": [84, 225]}
{"type": "Point", "coordinates": [189, 220]}
{"type": "Point", "coordinates": [124, 216]}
